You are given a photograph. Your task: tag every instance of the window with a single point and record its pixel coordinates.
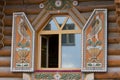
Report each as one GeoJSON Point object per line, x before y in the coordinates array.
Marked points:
{"type": "Point", "coordinates": [68, 39]}
{"type": "Point", "coordinates": [60, 42]}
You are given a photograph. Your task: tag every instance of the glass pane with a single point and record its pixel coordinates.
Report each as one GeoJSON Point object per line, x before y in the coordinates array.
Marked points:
{"type": "Point", "coordinates": [71, 55]}
{"type": "Point", "coordinates": [70, 25]}
{"type": "Point", "coordinates": [68, 39]}
{"type": "Point", "coordinates": [60, 20]}
{"type": "Point", "coordinates": [51, 26]}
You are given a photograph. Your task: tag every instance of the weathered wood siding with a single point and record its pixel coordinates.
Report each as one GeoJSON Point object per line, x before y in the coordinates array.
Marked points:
{"type": "Point", "coordinates": [31, 8]}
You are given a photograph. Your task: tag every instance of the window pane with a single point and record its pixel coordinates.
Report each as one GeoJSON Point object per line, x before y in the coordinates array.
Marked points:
{"type": "Point", "coordinates": [71, 55]}
{"type": "Point", "coordinates": [51, 26]}
{"type": "Point", "coordinates": [68, 39]}
{"type": "Point", "coordinates": [60, 20]}
{"type": "Point", "coordinates": [70, 25]}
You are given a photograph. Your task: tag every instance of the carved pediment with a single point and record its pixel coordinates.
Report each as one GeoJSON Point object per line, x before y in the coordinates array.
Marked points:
{"type": "Point", "coordinates": [58, 4]}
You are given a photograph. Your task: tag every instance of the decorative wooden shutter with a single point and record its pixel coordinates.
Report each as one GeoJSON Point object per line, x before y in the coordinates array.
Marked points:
{"type": "Point", "coordinates": [95, 42]}
{"type": "Point", "coordinates": [22, 50]}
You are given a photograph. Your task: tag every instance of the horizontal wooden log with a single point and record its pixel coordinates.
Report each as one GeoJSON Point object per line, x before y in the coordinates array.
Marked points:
{"type": "Point", "coordinates": [14, 2]}
{"type": "Point", "coordinates": [113, 29]}
{"type": "Point", "coordinates": [8, 22]}
{"type": "Point", "coordinates": [113, 60]}
{"type": "Point", "coordinates": [28, 9]}
{"type": "Point", "coordinates": [114, 38]}
{"type": "Point", "coordinates": [5, 78]}
{"type": "Point", "coordinates": [91, 8]}
{"type": "Point", "coordinates": [6, 51]}
{"type": "Point", "coordinates": [8, 31]}
{"type": "Point", "coordinates": [96, 2]}
{"type": "Point", "coordinates": [20, 2]}
{"type": "Point", "coordinates": [10, 74]}
{"type": "Point", "coordinates": [111, 18]}
{"type": "Point", "coordinates": [7, 41]}
{"type": "Point", "coordinates": [110, 74]}
{"type": "Point", "coordinates": [8, 19]}
{"type": "Point", "coordinates": [33, 2]}
{"type": "Point", "coordinates": [5, 61]}
{"type": "Point", "coordinates": [5, 72]}
{"type": "Point", "coordinates": [114, 49]}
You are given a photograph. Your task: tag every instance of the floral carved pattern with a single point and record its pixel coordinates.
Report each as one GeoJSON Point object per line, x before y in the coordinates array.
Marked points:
{"type": "Point", "coordinates": [57, 75]}
{"type": "Point", "coordinates": [95, 42]}
{"type": "Point", "coordinates": [22, 43]}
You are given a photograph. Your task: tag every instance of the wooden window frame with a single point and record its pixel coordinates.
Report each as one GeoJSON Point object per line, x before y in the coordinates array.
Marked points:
{"type": "Point", "coordinates": [41, 21]}
{"type": "Point", "coordinates": [59, 32]}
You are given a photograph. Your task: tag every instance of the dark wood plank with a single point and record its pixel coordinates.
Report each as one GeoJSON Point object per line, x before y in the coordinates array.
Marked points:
{"type": "Point", "coordinates": [91, 8]}
{"type": "Point", "coordinates": [28, 9]}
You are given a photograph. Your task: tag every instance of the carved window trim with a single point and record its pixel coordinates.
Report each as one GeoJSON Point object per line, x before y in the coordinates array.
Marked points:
{"type": "Point", "coordinates": [103, 67]}
{"type": "Point", "coordinates": [14, 46]}
{"type": "Point", "coordinates": [58, 32]}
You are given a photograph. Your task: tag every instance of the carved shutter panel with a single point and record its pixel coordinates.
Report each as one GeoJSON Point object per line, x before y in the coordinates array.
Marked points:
{"type": "Point", "coordinates": [22, 50]}
{"type": "Point", "coordinates": [95, 42]}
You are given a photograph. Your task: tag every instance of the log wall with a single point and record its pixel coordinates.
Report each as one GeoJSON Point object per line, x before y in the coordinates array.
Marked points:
{"type": "Point", "coordinates": [2, 4]}
{"type": "Point", "coordinates": [85, 7]}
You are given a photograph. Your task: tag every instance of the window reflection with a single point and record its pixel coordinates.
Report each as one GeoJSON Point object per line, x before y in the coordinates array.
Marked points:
{"type": "Point", "coordinates": [51, 26]}
{"type": "Point", "coordinates": [71, 55]}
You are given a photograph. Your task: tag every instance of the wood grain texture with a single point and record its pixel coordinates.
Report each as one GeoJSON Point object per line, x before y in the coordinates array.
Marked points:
{"type": "Point", "coordinates": [4, 61]}
{"type": "Point", "coordinates": [21, 2]}
{"type": "Point", "coordinates": [91, 8]}
{"type": "Point", "coordinates": [28, 9]}
{"type": "Point", "coordinates": [111, 74]}
{"type": "Point", "coordinates": [5, 51]}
